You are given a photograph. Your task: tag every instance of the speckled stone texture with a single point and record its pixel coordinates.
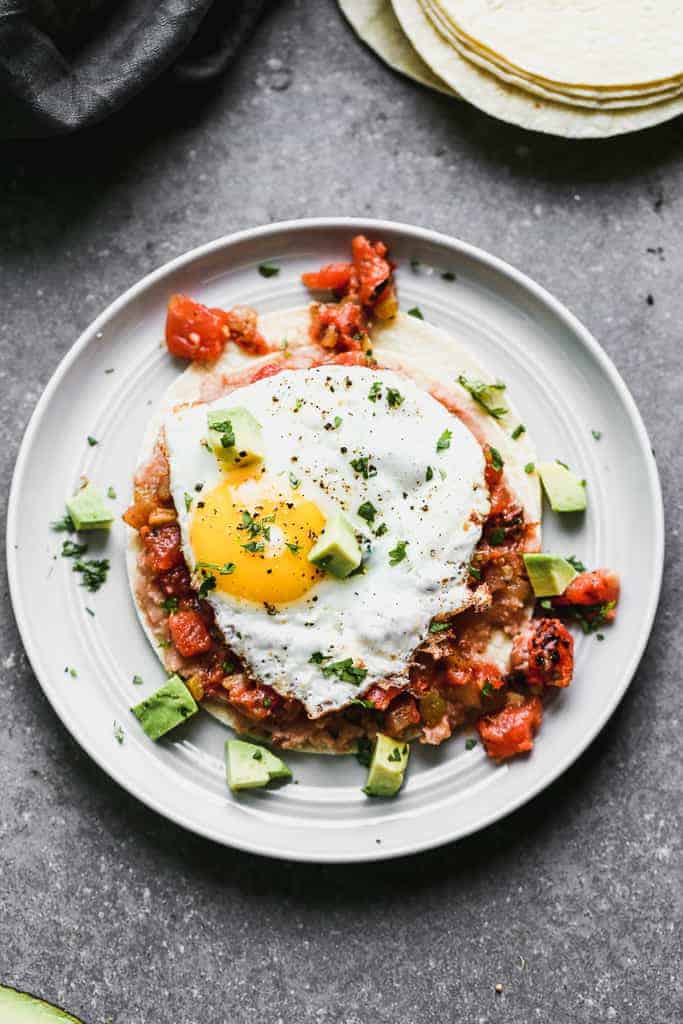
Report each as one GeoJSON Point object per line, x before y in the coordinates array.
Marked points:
{"type": "Point", "coordinates": [571, 903]}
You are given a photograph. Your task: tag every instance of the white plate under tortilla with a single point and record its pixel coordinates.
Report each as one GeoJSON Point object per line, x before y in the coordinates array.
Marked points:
{"type": "Point", "coordinates": [561, 382]}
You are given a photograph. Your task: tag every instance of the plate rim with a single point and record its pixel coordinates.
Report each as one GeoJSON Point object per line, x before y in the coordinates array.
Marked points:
{"type": "Point", "coordinates": [375, 226]}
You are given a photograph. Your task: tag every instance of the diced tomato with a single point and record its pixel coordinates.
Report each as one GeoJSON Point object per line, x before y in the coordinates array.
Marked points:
{"type": "Point", "coordinates": [241, 322]}
{"type": "Point", "coordinates": [597, 587]}
{"type": "Point", "coordinates": [335, 277]}
{"type": "Point", "coordinates": [511, 731]}
{"type": "Point", "coordinates": [483, 674]}
{"type": "Point", "coordinates": [544, 653]}
{"type": "Point", "coordinates": [255, 701]}
{"type": "Point", "coordinates": [189, 633]}
{"type": "Point", "coordinates": [193, 331]}
{"type": "Point", "coordinates": [176, 582]}
{"type": "Point", "coordinates": [373, 270]}
{"type": "Point", "coordinates": [505, 527]}
{"type": "Point", "coordinates": [338, 326]}
{"type": "Point", "coordinates": [162, 547]}
{"type": "Point", "coordinates": [381, 696]}
{"type": "Point", "coordinates": [402, 713]}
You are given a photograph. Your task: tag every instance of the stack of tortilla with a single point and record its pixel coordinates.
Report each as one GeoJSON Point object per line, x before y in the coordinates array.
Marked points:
{"type": "Point", "coordinates": [577, 68]}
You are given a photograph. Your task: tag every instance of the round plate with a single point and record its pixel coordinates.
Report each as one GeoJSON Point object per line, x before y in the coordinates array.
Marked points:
{"type": "Point", "coordinates": [563, 385]}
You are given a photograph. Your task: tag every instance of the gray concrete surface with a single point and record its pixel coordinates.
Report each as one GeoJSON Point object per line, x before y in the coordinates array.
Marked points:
{"type": "Point", "coordinates": [571, 903]}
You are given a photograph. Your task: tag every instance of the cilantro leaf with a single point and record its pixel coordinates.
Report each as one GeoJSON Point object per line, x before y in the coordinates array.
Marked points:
{"type": "Point", "coordinates": [486, 395]}
{"type": "Point", "coordinates": [398, 553]}
{"type": "Point", "coordinates": [444, 441]}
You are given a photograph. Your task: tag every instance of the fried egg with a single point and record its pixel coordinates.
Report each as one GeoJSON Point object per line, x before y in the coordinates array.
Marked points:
{"type": "Point", "coordinates": [407, 474]}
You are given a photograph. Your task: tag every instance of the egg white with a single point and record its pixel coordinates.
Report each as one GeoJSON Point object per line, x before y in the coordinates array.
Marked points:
{"type": "Point", "coordinates": [379, 617]}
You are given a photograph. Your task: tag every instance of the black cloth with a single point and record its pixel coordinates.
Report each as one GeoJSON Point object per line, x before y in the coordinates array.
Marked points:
{"type": "Point", "coordinates": [67, 64]}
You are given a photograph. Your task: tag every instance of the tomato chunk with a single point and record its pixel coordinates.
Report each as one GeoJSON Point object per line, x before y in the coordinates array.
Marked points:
{"type": "Point", "coordinates": [189, 633]}
{"type": "Point", "coordinates": [241, 322]}
{"type": "Point", "coordinates": [194, 331]}
{"type": "Point", "coordinates": [335, 277]}
{"type": "Point", "coordinates": [176, 582]}
{"type": "Point", "coordinates": [511, 731]}
{"type": "Point", "coordinates": [403, 713]}
{"type": "Point", "coordinates": [381, 697]}
{"type": "Point", "coordinates": [484, 674]}
{"type": "Point", "coordinates": [255, 701]}
{"type": "Point", "coordinates": [162, 547]}
{"type": "Point", "coordinates": [373, 270]}
{"type": "Point", "coordinates": [596, 587]}
{"type": "Point", "coordinates": [544, 653]}
{"type": "Point", "coordinates": [338, 326]}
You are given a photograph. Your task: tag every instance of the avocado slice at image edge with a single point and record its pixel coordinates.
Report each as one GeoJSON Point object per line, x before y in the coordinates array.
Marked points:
{"type": "Point", "coordinates": [164, 710]}
{"type": "Point", "coordinates": [22, 1008]}
{"type": "Point", "coordinates": [565, 491]}
{"type": "Point", "coordinates": [88, 509]}
{"type": "Point", "coordinates": [387, 766]}
{"type": "Point", "coordinates": [249, 766]}
{"type": "Point", "coordinates": [549, 575]}
{"type": "Point", "coordinates": [337, 551]}
{"type": "Point", "coordinates": [235, 437]}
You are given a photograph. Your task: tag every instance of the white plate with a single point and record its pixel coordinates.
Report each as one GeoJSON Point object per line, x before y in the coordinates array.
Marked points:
{"type": "Point", "coordinates": [563, 385]}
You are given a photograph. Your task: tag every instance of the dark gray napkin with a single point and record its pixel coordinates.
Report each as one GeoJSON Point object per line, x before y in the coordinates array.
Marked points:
{"type": "Point", "coordinates": [66, 64]}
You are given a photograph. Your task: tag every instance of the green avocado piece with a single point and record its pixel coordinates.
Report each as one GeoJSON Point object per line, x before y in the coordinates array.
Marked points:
{"type": "Point", "coordinates": [21, 1008]}
{"type": "Point", "coordinates": [235, 437]}
{"type": "Point", "coordinates": [549, 575]}
{"type": "Point", "coordinates": [387, 766]}
{"type": "Point", "coordinates": [564, 490]}
{"type": "Point", "coordinates": [337, 550]}
{"type": "Point", "coordinates": [168, 707]}
{"type": "Point", "coordinates": [88, 510]}
{"type": "Point", "coordinates": [249, 766]}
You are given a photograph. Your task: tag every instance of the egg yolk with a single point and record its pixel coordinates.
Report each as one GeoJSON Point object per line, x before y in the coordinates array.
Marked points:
{"type": "Point", "coordinates": [262, 527]}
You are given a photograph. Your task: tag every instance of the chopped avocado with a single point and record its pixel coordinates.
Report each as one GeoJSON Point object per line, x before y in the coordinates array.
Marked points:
{"type": "Point", "coordinates": [337, 550]}
{"type": "Point", "coordinates": [21, 1008]}
{"type": "Point", "coordinates": [235, 437]}
{"type": "Point", "coordinates": [168, 707]}
{"type": "Point", "coordinates": [387, 767]}
{"type": "Point", "coordinates": [564, 489]}
{"type": "Point", "coordinates": [249, 766]}
{"type": "Point", "coordinates": [549, 575]}
{"type": "Point", "coordinates": [88, 510]}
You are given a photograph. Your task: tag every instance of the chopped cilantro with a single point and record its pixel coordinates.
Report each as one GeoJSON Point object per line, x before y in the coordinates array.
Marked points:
{"type": "Point", "coordinates": [118, 733]}
{"type": "Point", "coordinates": [223, 570]}
{"type": "Point", "coordinates": [367, 511]}
{"type": "Point", "coordinates": [474, 572]}
{"type": "Point", "coordinates": [560, 463]}
{"type": "Point", "coordinates": [518, 431]}
{"type": "Point", "coordinates": [345, 671]}
{"type": "Point", "coordinates": [188, 501]}
{"type": "Point", "coordinates": [294, 481]}
{"type": "Point", "coordinates": [448, 275]}
{"type": "Point", "coordinates": [137, 680]}
{"type": "Point", "coordinates": [72, 671]}
{"type": "Point", "coordinates": [294, 548]}
{"type": "Point", "coordinates": [470, 743]}
{"type": "Point", "coordinates": [298, 404]}
{"type": "Point", "coordinates": [253, 546]}
{"type": "Point", "coordinates": [398, 553]}
{"type": "Point", "coordinates": [415, 265]}
{"type": "Point", "coordinates": [439, 627]}
{"type": "Point", "coordinates": [170, 604]}
{"type": "Point", "coordinates": [496, 458]}
{"type": "Point", "coordinates": [529, 468]}
{"type": "Point", "coordinates": [395, 755]}
{"type": "Point", "coordinates": [496, 536]}
{"type": "Point", "coordinates": [394, 398]}
{"type": "Point", "coordinates": [318, 658]}
{"type": "Point", "coordinates": [111, 493]}
{"type": "Point", "coordinates": [90, 611]}
{"type": "Point", "coordinates": [591, 617]}
{"type": "Point", "coordinates": [381, 530]}
{"type": "Point", "coordinates": [486, 395]}
{"type": "Point", "coordinates": [363, 467]}
{"type": "Point", "coordinates": [93, 572]}
{"type": "Point", "coordinates": [364, 751]}
{"type": "Point", "coordinates": [71, 550]}
{"type": "Point", "coordinates": [227, 433]}
{"type": "Point", "coordinates": [429, 474]}
{"type": "Point", "coordinates": [208, 584]}
{"type": "Point", "coordinates": [597, 434]}
{"type": "Point", "coordinates": [576, 562]}
{"type": "Point", "coordinates": [92, 441]}
{"type": "Point", "coordinates": [599, 636]}
{"type": "Point", "coordinates": [229, 667]}
{"type": "Point", "coordinates": [257, 755]}
{"type": "Point", "coordinates": [416, 312]}
{"type": "Point", "coordinates": [64, 525]}
{"type": "Point", "coordinates": [375, 392]}
{"type": "Point", "coordinates": [268, 270]}
{"type": "Point", "coordinates": [337, 422]}
{"type": "Point", "coordinates": [444, 441]}
{"type": "Point", "coordinates": [164, 643]}
{"type": "Point", "coordinates": [487, 688]}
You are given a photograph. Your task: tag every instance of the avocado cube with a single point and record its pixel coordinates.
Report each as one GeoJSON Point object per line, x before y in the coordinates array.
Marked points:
{"type": "Point", "coordinates": [549, 575]}
{"type": "Point", "coordinates": [337, 551]}
{"type": "Point", "coordinates": [387, 767]}
{"type": "Point", "coordinates": [235, 437]}
{"type": "Point", "coordinates": [249, 766]}
{"type": "Point", "coordinates": [168, 707]}
{"type": "Point", "coordinates": [88, 510]}
{"type": "Point", "coordinates": [564, 490]}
